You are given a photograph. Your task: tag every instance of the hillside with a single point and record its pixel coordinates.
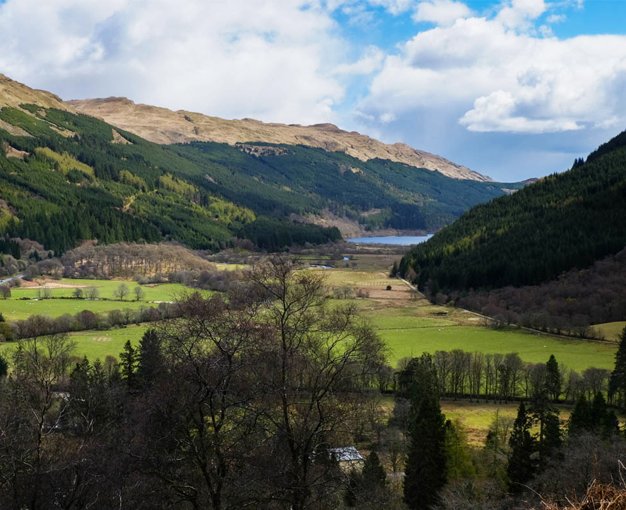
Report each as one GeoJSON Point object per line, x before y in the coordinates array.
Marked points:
{"type": "Point", "coordinates": [66, 177]}
{"type": "Point", "coordinates": [563, 222]}
{"type": "Point", "coordinates": [164, 126]}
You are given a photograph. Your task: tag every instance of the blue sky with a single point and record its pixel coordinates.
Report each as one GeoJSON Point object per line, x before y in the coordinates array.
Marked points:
{"type": "Point", "coordinates": [510, 88]}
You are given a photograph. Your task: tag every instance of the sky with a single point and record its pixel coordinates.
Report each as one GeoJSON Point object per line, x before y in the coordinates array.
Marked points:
{"type": "Point", "coordinates": [510, 88]}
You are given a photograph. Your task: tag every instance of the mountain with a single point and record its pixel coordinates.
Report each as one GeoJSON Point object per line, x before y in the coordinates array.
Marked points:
{"type": "Point", "coordinates": [562, 222]}
{"type": "Point", "coordinates": [66, 177]}
{"type": "Point", "coordinates": [164, 126]}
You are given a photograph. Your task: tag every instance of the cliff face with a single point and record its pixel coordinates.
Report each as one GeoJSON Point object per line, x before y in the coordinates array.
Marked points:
{"type": "Point", "coordinates": [165, 126]}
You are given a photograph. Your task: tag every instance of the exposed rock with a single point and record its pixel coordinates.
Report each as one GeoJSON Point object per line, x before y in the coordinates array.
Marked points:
{"type": "Point", "coordinates": [260, 151]}
{"type": "Point", "coordinates": [117, 138]}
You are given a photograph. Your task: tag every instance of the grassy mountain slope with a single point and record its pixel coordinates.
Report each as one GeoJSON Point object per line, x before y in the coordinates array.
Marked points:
{"type": "Point", "coordinates": [165, 126]}
{"type": "Point", "coordinates": [562, 222]}
{"type": "Point", "coordinates": [67, 177]}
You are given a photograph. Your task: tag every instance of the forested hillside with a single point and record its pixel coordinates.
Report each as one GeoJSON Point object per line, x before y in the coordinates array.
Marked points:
{"type": "Point", "coordinates": [562, 222]}
{"type": "Point", "coordinates": [66, 177]}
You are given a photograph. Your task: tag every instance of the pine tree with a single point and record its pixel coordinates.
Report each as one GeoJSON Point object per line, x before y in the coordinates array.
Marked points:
{"type": "Point", "coordinates": [425, 471]}
{"type": "Point", "coordinates": [551, 440]}
{"type": "Point", "coordinates": [128, 364]}
{"type": "Point", "coordinates": [553, 378]}
{"type": "Point", "coordinates": [580, 420]}
{"type": "Point", "coordinates": [617, 383]}
{"type": "Point", "coordinates": [4, 367]}
{"type": "Point", "coordinates": [521, 466]}
{"type": "Point", "coordinates": [150, 363]}
{"type": "Point", "coordinates": [373, 474]}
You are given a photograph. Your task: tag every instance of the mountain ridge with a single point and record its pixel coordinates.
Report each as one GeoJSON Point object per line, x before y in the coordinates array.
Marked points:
{"type": "Point", "coordinates": [164, 126]}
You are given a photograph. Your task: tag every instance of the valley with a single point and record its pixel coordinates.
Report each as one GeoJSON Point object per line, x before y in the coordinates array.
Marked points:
{"type": "Point", "coordinates": [178, 300]}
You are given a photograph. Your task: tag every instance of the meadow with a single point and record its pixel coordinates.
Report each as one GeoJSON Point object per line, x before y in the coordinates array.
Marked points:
{"type": "Point", "coordinates": [408, 323]}
{"type": "Point", "coordinates": [96, 344]}
{"type": "Point", "coordinates": [27, 300]}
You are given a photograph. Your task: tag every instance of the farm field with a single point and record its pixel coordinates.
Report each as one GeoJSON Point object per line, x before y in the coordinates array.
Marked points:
{"type": "Point", "coordinates": [411, 326]}
{"type": "Point", "coordinates": [18, 310]}
{"type": "Point", "coordinates": [610, 330]}
{"type": "Point", "coordinates": [65, 287]}
{"type": "Point", "coordinates": [96, 344]}
{"type": "Point", "coordinates": [62, 301]}
{"type": "Point", "coordinates": [408, 323]}
{"type": "Point", "coordinates": [574, 354]}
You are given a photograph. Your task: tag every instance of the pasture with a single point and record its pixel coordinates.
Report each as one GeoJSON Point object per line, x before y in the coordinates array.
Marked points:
{"type": "Point", "coordinates": [95, 344]}
{"type": "Point", "coordinates": [410, 325]}
{"type": "Point", "coordinates": [28, 299]}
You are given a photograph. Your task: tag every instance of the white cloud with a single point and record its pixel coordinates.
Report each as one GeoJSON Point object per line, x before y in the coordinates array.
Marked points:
{"type": "Point", "coordinates": [370, 62]}
{"type": "Point", "coordinates": [270, 59]}
{"type": "Point", "coordinates": [491, 76]}
{"type": "Point", "coordinates": [441, 12]}
{"type": "Point", "coordinates": [518, 14]}
{"type": "Point", "coordinates": [395, 7]}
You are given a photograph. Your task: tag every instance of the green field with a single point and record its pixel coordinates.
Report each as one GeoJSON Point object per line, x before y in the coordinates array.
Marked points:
{"type": "Point", "coordinates": [17, 308]}
{"type": "Point", "coordinates": [408, 326]}
{"type": "Point", "coordinates": [106, 289]}
{"type": "Point", "coordinates": [96, 344]}
{"type": "Point", "coordinates": [411, 327]}
{"type": "Point", "coordinates": [575, 354]}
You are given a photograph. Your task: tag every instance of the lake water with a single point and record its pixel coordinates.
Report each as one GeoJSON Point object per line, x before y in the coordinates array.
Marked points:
{"type": "Point", "coordinates": [395, 240]}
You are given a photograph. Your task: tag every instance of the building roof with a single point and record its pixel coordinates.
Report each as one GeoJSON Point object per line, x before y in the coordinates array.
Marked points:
{"type": "Point", "coordinates": [346, 454]}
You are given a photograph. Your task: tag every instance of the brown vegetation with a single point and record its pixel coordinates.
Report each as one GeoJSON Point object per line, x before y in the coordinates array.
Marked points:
{"type": "Point", "coordinates": [164, 126]}
{"type": "Point", "coordinates": [126, 260]}
{"type": "Point", "coordinates": [567, 305]}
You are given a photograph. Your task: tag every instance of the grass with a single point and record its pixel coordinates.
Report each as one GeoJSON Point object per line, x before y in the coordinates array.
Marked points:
{"type": "Point", "coordinates": [610, 330]}
{"type": "Point", "coordinates": [96, 344]}
{"type": "Point", "coordinates": [575, 354]}
{"type": "Point", "coordinates": [19, 310]}
{"type": "Point", "coordinates": [476, 417]}
{"type": "Point", "coordinates": [106, 289]}
{"type": "Point", "coordinates": [16, 308]}
{"type": "Point", "coordinates": [411, 327]}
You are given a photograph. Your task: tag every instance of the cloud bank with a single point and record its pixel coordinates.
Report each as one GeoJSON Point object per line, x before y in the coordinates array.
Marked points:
{"type": "Point", "coordinates": [270, 59]}
{"type": "Point", "coordinates": [499, 74]}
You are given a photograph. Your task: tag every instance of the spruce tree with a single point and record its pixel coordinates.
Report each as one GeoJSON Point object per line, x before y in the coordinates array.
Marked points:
{"type": "Point", "coordinates": [553, 378]}
{"type": "Point", "coordinates": [551, 439]}
{"type": "Point", "coordinates": [150, 363]}
{"type": "Point", "coordinates": [580, 420]}
{"type": "Point", "coordinates": [128, 364]}
{"type": "Point", "coordinates": [521, 466]}
{"type": "Point", "coordinates": [4, 367]}
{"type": "Point", "coordinates": [373, 474]}
{"type": "Point", "coordinates": [425, 471]}
{"type": "Point", "coordinates": [617, 383]}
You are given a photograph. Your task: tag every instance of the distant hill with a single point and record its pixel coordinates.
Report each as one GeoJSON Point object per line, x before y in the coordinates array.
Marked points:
{"type": "Point", "coordinates": [66, 177]}
{"type": "Point", "coordinates": [559, 223]}
{"type": "Point", "coordinates": [164, 126]}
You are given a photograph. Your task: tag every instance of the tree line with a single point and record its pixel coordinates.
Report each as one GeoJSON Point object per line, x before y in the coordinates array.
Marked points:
{"type": "Point", "coordinates": [505, 377]}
